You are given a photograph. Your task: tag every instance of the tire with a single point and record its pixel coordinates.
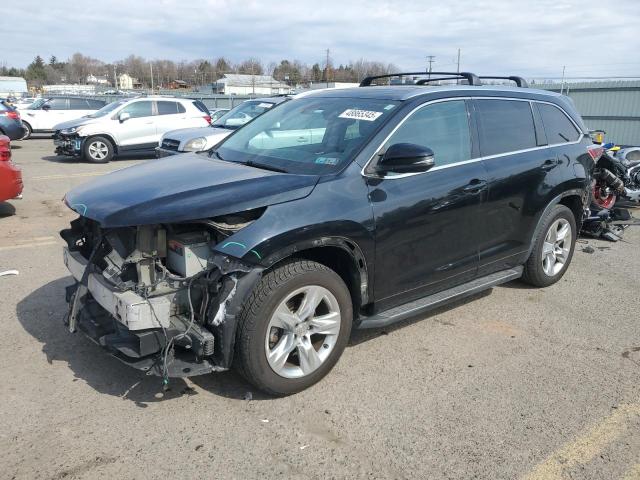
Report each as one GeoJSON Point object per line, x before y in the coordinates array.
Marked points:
{"type": "Point", "coordinates": [261, 331]}
{"type": "Point", "coordinates": [27, 131]}
{"type": "Point", "coordinates": [98, 150]}
{"type": "Point", "coordinates": [547, 265]}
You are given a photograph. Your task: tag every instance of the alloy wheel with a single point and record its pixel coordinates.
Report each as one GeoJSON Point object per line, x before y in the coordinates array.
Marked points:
{"type": "Point", "coordinates": [302, 331]}
{"type": "Point", "coordinates": [98, 150]}
{"type": "Point", "coordinates": [556, 247]}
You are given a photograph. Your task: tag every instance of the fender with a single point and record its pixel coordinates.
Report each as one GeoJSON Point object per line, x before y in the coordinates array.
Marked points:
{"type": "Point", "coordinates": [555, 201]}
{"type": "Point", "coordinates": [349, 246]}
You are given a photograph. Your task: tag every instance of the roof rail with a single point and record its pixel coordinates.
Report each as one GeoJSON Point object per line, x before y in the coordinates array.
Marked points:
{"type": "Point", "coordinates": [471, 78]}
{"type": "Point", "coordinates": [519, 81]}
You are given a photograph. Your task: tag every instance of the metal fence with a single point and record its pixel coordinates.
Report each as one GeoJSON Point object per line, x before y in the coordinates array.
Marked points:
{"type": "Point", "coordinates": [612, 106]}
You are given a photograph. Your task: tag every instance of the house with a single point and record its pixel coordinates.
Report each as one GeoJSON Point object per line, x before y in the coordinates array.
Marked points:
{"type": "Point", "coordinates": [238, 84]}
{"type": "Point", "coordinates": [97, 79]}
{"type": "Point", "coordinates": [127, 82]}
{"type": "Point", "coordinates": [177, 84]}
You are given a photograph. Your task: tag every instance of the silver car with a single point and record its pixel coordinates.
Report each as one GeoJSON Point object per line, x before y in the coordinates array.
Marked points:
{"type": "Point", "coordinates": [199, 139]}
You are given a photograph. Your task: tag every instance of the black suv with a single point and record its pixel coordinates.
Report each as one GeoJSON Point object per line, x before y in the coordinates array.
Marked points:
{"type": "Point", "coordinates": [338, 209]}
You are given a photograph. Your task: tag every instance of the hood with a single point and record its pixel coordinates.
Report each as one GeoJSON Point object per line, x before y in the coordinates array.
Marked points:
{"type": "Point", "coordinates": [213, 135]}
{"type": "Point", "coordinates": [196, 187]}
{"type": "Point", "coordinates": [76, 122]}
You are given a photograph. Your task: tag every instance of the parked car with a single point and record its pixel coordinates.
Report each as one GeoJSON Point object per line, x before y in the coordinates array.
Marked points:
{"type": "Point", "coordinates": [216, 113]}
{"type": "Point", "coordinates": [44, 114]}
{"type": "Point", "coordinates": [130, 125]}
{"type": "Point", "coordinates": [10, 174]}
{"type": "Point", "coordinates": [10, 123]}
{"type": "Point", "coordinates": [263, 257]}
{"type": "Point", "coordinates": [199, 139]}
{"type": "Point", "coordinates": [24, 102]}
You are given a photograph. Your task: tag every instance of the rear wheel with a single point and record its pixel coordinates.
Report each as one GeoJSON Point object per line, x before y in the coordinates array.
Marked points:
{"type": "Point", "coordinates": [98, 150]}
{"type": "Point", "coordinates": [294, 327]}
{"type": "Point", "coordinates": [27, 131]}
{"type": "Point", "coordinates": [553, 248]}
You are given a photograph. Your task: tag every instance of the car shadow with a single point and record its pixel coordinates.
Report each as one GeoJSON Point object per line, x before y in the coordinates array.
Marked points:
{"type": "Point", "coordinates": [7, 209]}
{"type": "Point", "coordinates": [41, 314]}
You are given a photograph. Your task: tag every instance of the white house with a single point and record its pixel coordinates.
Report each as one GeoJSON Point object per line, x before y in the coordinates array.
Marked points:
{"type": "Point", "coordinates": [97, 79]}
{"type": "Point", "coordinates": [127, 82]}
{"type": "Point", "coordinates": [238, 84]}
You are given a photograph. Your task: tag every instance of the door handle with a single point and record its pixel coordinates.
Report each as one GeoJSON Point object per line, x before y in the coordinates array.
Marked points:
{"type": "Point", "coordinates": [474, 186]}
{"type": "Point", "coordinates": [549, 164]}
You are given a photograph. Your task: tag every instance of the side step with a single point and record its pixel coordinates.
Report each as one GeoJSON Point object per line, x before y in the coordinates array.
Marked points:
{"type": "Point", "coordinates": [422, 305]}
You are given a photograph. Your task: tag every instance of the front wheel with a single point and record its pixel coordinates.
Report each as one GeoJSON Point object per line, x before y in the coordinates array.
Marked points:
{"type": "Point", "coordinates": [294, 327]}
{"type": "Point", "coordinates": [98, 150]}
{"type": "Point", "coordinates": [553, 248]}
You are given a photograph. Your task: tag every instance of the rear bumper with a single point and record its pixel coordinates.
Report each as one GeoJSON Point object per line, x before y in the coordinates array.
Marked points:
{"type": "Point", "coordinates": [10, 181]}
{"type": "Point", "coordinates": [13, 129]}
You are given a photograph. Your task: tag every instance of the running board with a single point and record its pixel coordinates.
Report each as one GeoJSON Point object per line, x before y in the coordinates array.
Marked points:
{"type": "Point", "coordinates": [422, 305]}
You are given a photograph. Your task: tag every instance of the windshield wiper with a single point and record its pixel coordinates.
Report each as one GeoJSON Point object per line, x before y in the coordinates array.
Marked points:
{"type": "Point", "coordinates": [266, 167]}
{"type": "Point", "coordinates": [215, 152]}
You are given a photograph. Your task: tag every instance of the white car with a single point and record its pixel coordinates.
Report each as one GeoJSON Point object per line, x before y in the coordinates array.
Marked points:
{"type": "Point", "coordinates": [128, 126]}
{"type": "Point", "coordinates": [200, 139]}
{"type": "Point", "coordinates": [45, 113]}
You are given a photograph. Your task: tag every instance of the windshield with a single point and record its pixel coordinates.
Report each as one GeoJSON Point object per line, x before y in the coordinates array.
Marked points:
{"type": "Point", "coordinates": [308, 135]}
{"type": "Point", "coordinates": [242, 114]}
{"type": "Point", "coordinates": [107, 109]}
{"type": "Point", "coordinates": [37, 104]}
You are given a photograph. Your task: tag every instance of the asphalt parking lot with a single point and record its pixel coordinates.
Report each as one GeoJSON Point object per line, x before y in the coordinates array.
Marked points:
{"type": "Point", "coordinates": [515, 383]}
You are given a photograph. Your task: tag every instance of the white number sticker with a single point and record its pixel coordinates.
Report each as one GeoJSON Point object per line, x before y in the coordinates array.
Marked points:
{"type": "Point", "coordinates": [355, 114]}
{"type": "Point", "coordinates": [265, 105]}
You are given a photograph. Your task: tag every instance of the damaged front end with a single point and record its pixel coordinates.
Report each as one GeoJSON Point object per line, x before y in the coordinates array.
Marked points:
{"type": "Point", "coordinates": [158, 297]}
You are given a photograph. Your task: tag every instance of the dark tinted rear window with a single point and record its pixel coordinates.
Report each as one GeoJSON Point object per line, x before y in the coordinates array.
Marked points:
{"type": "Point", "coordinates": [505, 126]}
{"type": "Point", "coordinates": [201, 106]}
{"type": "Point", "coordinates": [557, 126]}
{"type": "Point", "coordinates": [169, 108]}
{"type": "Point", "coordinates": [97, 104]}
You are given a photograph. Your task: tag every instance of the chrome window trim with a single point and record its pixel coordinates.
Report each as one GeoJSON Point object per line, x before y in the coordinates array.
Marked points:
{"type": "Point", "coordinates": [471, 160]}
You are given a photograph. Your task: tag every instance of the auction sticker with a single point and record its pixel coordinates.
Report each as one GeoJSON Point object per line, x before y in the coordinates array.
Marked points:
{"type": "Point", "coordinates": [265, 105]}
{"type": "Point", "coordinates": [355, 114]}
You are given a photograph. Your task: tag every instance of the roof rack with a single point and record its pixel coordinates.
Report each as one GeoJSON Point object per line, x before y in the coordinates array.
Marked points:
{"type": "Point", "coordinates": [471, 78]}
{"type": "Point", "coordinates": [519, 81]}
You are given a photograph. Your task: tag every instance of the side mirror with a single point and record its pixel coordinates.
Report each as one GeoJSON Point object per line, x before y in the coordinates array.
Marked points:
{"type": "Point", "coordinates": [406, 158]}
{"type": "Point", "coordinates": [46, 107]}
{"type": "Point", "coordinates": [124, 116]}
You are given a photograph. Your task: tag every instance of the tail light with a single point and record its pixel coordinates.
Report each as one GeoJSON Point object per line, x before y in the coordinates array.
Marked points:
{"type": "Point", "coordinates": [595, 152]}
{"type": "Point", "coordinates": [208, 119]}
{"type": "Point", "coordinates": [5, 148]}
{"type": "Point", "coordinates": [13, 115]}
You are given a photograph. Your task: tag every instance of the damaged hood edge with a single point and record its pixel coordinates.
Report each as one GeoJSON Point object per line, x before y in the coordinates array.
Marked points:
{"type": "Point", "coordinates": [170, 191]}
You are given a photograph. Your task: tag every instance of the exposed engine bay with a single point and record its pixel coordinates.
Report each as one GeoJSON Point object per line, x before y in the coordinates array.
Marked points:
{"type": "Point", "coordinates": [158, 296]}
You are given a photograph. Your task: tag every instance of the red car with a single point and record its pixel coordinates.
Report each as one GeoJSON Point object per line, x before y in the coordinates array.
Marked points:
{"type": "Point", "coordinates": [10, 174]}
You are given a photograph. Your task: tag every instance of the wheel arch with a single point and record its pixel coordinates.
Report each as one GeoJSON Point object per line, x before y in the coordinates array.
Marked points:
{"type": "Point", "coordinates": [104, 135]}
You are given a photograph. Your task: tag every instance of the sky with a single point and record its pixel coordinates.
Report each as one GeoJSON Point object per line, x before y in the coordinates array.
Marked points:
{"type": "Point", "coordinates": [533, 38]}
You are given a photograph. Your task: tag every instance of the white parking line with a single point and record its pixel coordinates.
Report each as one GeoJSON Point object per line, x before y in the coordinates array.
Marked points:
{"type": "Point", "coordinates": [30, 245]}
{"type": "Point", "coordinates": [72, 175]}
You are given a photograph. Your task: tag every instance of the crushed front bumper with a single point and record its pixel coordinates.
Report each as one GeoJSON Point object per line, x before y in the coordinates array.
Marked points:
{"type": "Point", "coordinates": [70, 145]}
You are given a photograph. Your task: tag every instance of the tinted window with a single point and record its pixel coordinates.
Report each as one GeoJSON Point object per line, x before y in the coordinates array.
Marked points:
{"type": "Point", "coordinates": [201, 106]}
{"type": "Point", "coordinates": [443, 127]}
{"type": "Point", "coordinates": [96, 104]}
{"type": "Point", "coordinates": [505, 126]}
{"type": "Point", "coordinates": [557, 126]}
{"type": "Point", "coordinates": [78, 104]}
{"type": "Point", "coordinates": [138, 109]}
{"type": "Point", "coordinates": [169, 108]}
{"type": "Point", "coordinates": [57, 103]}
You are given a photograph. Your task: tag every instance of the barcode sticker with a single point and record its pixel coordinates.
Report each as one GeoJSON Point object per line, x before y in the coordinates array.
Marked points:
{"type": "Point", "coordinates": [355, 114]}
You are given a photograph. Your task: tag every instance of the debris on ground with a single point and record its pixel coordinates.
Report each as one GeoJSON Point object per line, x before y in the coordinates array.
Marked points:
{"type": "Point", "coordinates": [588, 249]}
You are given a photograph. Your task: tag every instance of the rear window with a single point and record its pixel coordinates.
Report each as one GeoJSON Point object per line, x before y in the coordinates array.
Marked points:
{"type": "Point", "coordinates": [201, 106]}
{"type": "Point", "coordinates": [505, 126]}
{"type": "Point", "coordinates": [557, 126]}
{"type": "Point", "coordinates": [169, 108]}
{"type": "Point", "coordinates": [96, 104]}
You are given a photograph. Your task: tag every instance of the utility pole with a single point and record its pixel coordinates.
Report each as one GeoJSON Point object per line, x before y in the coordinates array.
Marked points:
{"type": "Point", "coordinates": [458, 68]}
{"type": "Point", "coordinates": [430, 59]}
{"type": "Point", "coordinates": [562, 82]}
{"type": "Point", "coordinates": [115, 78]}
{"type": "Point", "coordinates": [151, 68]}
{"type": "Point", "coordinates": [326, 71]}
